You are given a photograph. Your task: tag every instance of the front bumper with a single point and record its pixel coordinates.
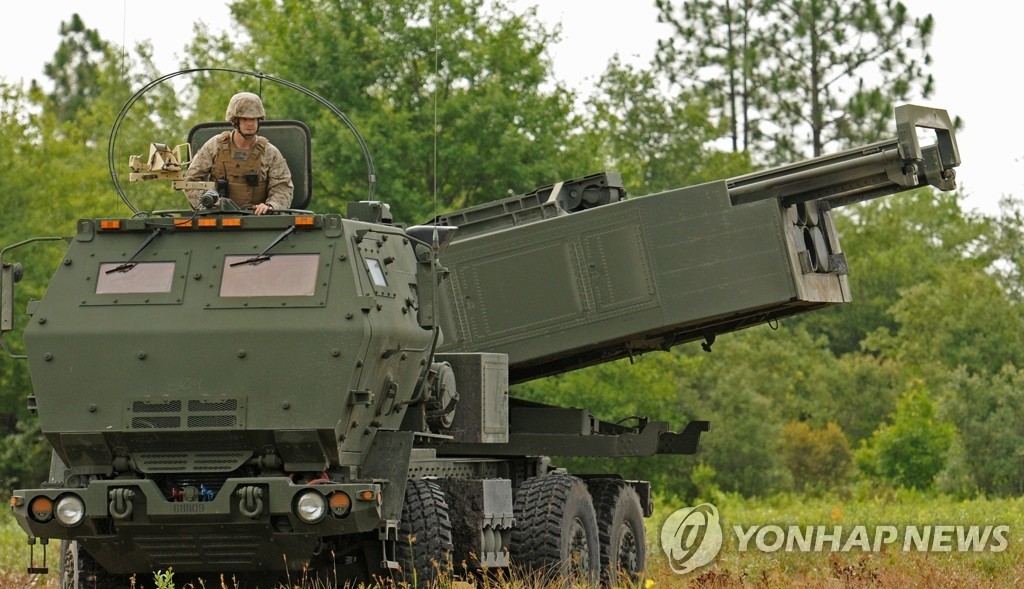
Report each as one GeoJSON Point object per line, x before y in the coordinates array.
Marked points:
{"type": "Point", "coordinates": [250, 524]}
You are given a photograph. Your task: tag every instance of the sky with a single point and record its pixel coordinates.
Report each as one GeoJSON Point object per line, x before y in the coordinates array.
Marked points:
{"type": "Point", "coordinates": [974, 49]}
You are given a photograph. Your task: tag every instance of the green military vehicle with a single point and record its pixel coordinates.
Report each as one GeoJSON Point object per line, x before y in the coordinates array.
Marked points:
{"type": "Point", "coordinates": [329, 393]}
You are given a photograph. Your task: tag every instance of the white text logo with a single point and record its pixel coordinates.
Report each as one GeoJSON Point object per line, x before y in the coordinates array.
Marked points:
{"type": "Point", "coordinates": [837, 539]}
{"type": "Point", "coordinates": [691, 537]}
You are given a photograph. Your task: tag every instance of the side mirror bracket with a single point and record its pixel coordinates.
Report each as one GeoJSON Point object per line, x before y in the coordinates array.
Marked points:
{"type": "Point", "coordinates": [10, 274]}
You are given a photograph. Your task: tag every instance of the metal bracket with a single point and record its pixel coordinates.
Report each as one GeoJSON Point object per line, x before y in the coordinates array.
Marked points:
{"type": "Point", "coordinates": [388, 534]}
{"type": "Point", "coordinates": [909, 117]}
{"type": "Point", "coordinates": [32, 568]}
{"type": "Point", "coordinates": [193, 185]}
{"type": "Point", "coordinates": [684, 442]}
{"type": "Point", "coordinates": [838, 264]}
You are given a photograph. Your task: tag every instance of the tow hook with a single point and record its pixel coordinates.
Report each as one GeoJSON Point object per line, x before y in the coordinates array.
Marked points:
{"type": "Point", "coordinates": [121, 505]}
{"type": "Point", "coordinates": [250, 503]}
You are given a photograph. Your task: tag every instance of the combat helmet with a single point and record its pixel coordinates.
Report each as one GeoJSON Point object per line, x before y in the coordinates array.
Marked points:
{"type": "Point", "coordinates": [245, 105]}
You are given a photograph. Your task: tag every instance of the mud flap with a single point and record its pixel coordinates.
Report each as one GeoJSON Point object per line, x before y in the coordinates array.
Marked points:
{"type": "Point", "coordinates": [387, 463]}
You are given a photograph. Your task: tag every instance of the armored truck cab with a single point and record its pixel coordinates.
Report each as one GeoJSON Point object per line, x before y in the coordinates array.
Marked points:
{"type": "Point", "coordinates": [227, 392]}
{"type": "Point", "coordinates": [186, 355]}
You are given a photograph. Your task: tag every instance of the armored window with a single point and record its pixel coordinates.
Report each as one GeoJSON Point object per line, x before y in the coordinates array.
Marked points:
{"type": "Point", "coordinates": [143, 277]}
{"type": "Point", "coordinates": [376, 272]}
{"type": "Point", "coordinates": [276, 276]}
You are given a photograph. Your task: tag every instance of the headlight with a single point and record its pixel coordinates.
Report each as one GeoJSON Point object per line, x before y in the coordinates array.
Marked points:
{"type": "Point", "coordinates": [310, 506]}
{"type": "Point", "coordinates": [70, 510]}
{"type": "Point", "coordinates": [41, 509]}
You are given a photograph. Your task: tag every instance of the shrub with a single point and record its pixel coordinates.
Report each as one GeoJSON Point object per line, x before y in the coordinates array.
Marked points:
{"type": "Point", "coordinates": [817, 459]}
{"type": "Point", "coordinates": [912, 449]}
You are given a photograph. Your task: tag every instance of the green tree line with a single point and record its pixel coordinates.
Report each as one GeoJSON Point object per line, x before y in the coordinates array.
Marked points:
{"type": "Point", "coordinates": [916, 383]}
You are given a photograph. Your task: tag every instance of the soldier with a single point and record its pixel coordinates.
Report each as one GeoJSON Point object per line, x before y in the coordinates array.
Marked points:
{"type": "Point", "coordinates": [248, 169]}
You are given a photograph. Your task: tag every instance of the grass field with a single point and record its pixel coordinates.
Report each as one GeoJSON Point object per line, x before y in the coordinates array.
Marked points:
{"type": "Point", "coordinates": [997, 565]}
{"type": "Point", "coordinates": [889, 566]}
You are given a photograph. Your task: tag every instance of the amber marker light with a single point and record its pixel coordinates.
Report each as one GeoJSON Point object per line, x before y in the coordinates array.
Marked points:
{"type": "Point", "coordinates": [41, 509]}
{"type": "Point", "coordinates": [110, 224]}
{"type": "Point", "coordinates": [207, 222]}
{"type": "Point", "coordinates": [17, 501]}
{"type": "Point", "coordinates": [366, 495]}
{"type": "Point", "coordinates": [304, 221]}
{"type": "Point", "coordinates": [231, 223]}
{"type": "Point", "coordinates": [183, 222]}
{"type": "Point", "coordinates": [340, 503]}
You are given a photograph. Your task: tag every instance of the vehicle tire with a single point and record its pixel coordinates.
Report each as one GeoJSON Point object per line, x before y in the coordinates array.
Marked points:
{"type": "Point", "coordinates": [555, 534]}
{"type": "Point", "coordinates": [79, 571]}
{"type": "Point", "coordinates": [620, 525]}
{"type": "Point", "coordinates": [424, 535]}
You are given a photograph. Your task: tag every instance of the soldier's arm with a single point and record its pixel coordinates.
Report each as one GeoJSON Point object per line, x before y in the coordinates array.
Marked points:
{"type": "Point", "coordinates": [280, 188]}
{"type": "Point", "coordinates": [199, 170]}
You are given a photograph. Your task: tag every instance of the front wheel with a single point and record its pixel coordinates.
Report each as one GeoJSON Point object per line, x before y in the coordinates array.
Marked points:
{"type": "Point", "coordinates": [77, 569]}
{"type": "Point", "coordinates": [555, 534]}
{"type": "Point", "coordinates": [424, 535]}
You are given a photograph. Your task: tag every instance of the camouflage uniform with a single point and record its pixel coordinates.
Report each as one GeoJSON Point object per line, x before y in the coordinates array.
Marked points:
{"type": "Point", "coordinates": [255, 174]}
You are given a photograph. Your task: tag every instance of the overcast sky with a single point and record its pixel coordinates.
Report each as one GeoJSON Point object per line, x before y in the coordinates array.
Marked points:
{"type": "Point", "coordinates": [975, 50]}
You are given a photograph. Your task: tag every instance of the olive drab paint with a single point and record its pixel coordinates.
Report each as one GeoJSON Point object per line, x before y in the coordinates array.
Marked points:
{"type": "Point", "coordinates": [227, 392]}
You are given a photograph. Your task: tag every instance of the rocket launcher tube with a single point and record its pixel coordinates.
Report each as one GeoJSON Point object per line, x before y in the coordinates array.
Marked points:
{"type": "Point", "coordinates": [577, 287]}
{"type": "Point", "coordinates": [863, 173]}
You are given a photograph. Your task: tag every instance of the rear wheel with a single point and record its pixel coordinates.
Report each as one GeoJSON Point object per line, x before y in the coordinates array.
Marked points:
{"type": "Point", "coordinates": [424, 535]}
{"type": "Point", "coordinates": [555, 534]}
{"type": "Point", "coordinates": [620, 524]}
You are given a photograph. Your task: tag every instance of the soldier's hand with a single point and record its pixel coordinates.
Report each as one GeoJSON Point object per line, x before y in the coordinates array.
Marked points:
{"type": "Point", "coordinates": [262, 208]}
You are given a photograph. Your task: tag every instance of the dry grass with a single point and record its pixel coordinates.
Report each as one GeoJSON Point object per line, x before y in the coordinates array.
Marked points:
{"type": "Point", "coordinates": [888, 568]}
{"type": "Point", "coordinates": [903, 571]}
